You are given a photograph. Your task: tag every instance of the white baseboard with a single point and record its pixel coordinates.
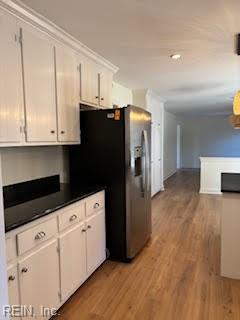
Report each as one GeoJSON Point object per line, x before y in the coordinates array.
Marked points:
{"type": "Point", "coordinates": [169, 175]}
{"type": "Point", "coordinates": [210, 191]}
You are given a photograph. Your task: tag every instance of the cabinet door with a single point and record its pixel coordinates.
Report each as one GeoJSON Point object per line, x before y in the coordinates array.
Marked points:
{"type": "Point", "coordinates": [105, 83]}
{"type": "Point", "coordinates": [39, 83]}
{"type": "Point", "coordinates": [39, 279]}
{"type": "Point", "coordinates": [11, 88]}
{"type": "Point", "coordinates": [68, 95]}
{"type": "Point", "coordinates": [72, 259]}
{"type": "Point", "coordinates": [96, 243]}
{"type": "Point", "coordinates": [13, 293]}
{"type": "Point", "coordinates": [89, 81]}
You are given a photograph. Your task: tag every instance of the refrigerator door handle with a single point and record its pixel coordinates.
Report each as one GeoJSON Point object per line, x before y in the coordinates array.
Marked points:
{"type": "Point", "coordinates": [147, 158]}
{"type": "Point", "coordinates": [145, 164]}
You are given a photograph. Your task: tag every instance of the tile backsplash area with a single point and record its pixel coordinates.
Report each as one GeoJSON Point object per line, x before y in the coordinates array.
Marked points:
{"type": "Point", "coordinates": [26, 163]}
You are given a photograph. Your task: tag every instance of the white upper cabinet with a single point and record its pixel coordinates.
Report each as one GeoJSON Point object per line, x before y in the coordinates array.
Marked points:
{"type": "Point", "coordinates": [43, 81]}
{"type": "Point", "coordinates": [68, 95]}
{"type": "Point", "coordinates": [39, 83]}
{"type": "Point", "coordinates": [96, 83]}
{"type": "Point", "coordinates": [105, 83]}
{"type": "Point", "coordinates": [89, 81]}
{"type": "Point", "coordinates": [11, 87]}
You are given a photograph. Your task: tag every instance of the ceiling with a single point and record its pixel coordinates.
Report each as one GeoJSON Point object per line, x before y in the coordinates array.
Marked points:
{"type": "Point", "coordinates": [140, 35]}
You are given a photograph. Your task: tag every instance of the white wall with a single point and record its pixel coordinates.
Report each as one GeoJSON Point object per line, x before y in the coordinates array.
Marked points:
{"type": "Point", "coordinates": [27, 163]}
{"type": "Point", "coordinates": [207, 137]}
{"type": "Point", "coordinates": [121, 95]}
{"type": "Point", "coordinates": [170, 145]}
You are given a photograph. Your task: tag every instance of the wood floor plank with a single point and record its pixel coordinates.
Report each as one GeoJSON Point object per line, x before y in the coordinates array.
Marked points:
{"type": "Point", "coordinates": [176, 276]}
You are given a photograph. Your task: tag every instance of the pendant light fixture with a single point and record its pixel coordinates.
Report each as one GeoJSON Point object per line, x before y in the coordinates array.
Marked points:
{"type": "Point", "coordinates": [235, 118]}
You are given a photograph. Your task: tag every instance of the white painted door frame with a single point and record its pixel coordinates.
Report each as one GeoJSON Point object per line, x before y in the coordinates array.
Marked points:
{"type": "Point", "coordinates": [178, 146]}
{"type": "Point", "coordinates": [3, 266]}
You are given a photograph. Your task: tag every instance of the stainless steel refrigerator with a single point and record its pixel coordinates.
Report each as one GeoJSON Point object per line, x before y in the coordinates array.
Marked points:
{"type": "Point", "coordinates": [115, 153]}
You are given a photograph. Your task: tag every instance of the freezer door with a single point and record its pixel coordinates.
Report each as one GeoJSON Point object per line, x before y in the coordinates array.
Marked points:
{"type": "Point", "coordinates": [138, 186]}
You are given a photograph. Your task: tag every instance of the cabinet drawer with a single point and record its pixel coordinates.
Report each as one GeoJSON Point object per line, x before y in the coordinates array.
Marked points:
{"type": "Point", "coordinates": [94, 203]}
{"type": "Point", "coordinates": [71, 215]}
{"type": "Point", "coordinates": [10, 248]}
{"type": "Point", "coordinates": [30, 238]}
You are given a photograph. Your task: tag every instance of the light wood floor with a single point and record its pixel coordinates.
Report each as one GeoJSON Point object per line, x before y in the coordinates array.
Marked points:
{"type": "Point", "coordinates": [176, 276]}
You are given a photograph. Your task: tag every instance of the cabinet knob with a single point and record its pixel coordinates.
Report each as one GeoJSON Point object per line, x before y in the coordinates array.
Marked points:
{"type": "Point", "coordinates": [11, 278]}
{"type": "Point", "coordinates": [102, 99]}
{"type": "Point", "coordinates": [89, 227]}
{"type": "Point", "coordinates": [96, 205]}
{"type": "Point", "coordinates": [96, 97]}
{"type": "Point", "coordinates": [73, 217]}
{"type": "Point", "coordinates": [62, 132]}
{"type": "Point", "coordinates": [83, 230]}
{"type": "Point", "coordinates": [52, 131]}
{"type": "Point", "coordinates": [40, 235]}
{"type": "Point", "coordinates": [24, 270]}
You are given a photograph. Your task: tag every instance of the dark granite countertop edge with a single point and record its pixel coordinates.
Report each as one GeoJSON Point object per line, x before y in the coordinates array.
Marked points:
{"type": "Point", "coordinates": [51, 210]}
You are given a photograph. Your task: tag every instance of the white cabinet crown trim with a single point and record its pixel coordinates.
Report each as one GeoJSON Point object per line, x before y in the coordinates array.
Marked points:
{"type": "Point", "coordinates": [30, 16]}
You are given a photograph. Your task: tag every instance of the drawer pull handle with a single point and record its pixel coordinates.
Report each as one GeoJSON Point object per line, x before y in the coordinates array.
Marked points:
{"type": "Point", "coordinates": [11, 278]}
{"type": "Point", "coordinates": [83, 230]}
{"type": "Point", "coordinates": [73, 217]}
{"type": "Point", "coordinates": [96, 205]}
{"type": "Point", "coordinates": [40, 235]}
{"type": "Point", "coordinates": [89, 227]}
{"type": "Point", "coordinates": [24, 270]}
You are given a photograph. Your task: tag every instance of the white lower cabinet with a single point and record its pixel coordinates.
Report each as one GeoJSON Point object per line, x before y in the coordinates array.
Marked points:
{"type": "Point", "coordinates": [39, 279]}
{"type": "Point", "coordinates": [72, 248]}
{"type": "Point", "coordinates": [13, 292]}
{"type": "Point", "coordinates": [96, 245]}
{"type": "Point", "coordinates": [55, 255]}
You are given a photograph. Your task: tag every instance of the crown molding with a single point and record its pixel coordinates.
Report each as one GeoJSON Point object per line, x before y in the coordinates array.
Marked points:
{"type": "Point", "coordinates": [26, 14]}
{"type": "Point", "coordinates": [149, 92]}
{"type": "Point", "coordinates": [155, 94]}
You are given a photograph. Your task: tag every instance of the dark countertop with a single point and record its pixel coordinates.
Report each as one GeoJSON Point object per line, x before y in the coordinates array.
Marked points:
{"type": "Point", "coordinates": [26, 212]}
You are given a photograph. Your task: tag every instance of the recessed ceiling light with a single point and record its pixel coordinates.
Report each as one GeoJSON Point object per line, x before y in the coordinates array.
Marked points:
{"type": "Point", "coordinates": [175, 56]}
